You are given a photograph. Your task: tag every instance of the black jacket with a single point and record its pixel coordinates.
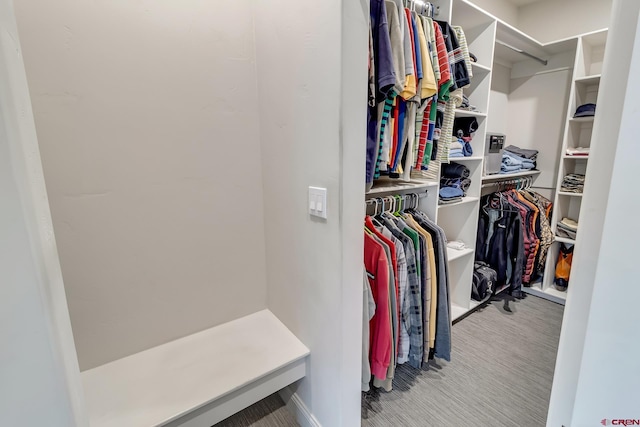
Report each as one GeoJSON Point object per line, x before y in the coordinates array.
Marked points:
{"type": "Point", "coordinates": [504, 250]}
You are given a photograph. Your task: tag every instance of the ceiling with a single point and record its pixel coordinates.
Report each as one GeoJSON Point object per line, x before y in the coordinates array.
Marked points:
{"type": "Point", "coordinates": [519, 3]}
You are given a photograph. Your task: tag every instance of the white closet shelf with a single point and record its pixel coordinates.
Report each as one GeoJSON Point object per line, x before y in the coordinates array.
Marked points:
{"type": "Point", "coordinates": [582, 119]}
{"type": "Point", "coordinates": [453, 254]}
{"type": "Point", "coordinates": [387, 185]}
{"type": "Point", "coordinates": [481, 69]}
{"type": "Point", "coordinates": [458, 311]}
{"type": "Point", "coordinates": [566, 193]}
{"type": "Point", "coordinates": [569, 156]}
{"type": "Point", "coordinates": [466, 159]}
{"type": "Point", "coordinates": [468, 113]}
{"type": "Point", "coordinates": [506, 176]}
{"type": "Point", "coordinates": [464, 201]}
{"type": "Point", "coordinates": [589, 80]}
{"type": "Point", "coordinates": [564, 240]}
{"type": "Point", "coordinates": [550, 293]}
{"type": "Point", "coordinates": [206, 376]}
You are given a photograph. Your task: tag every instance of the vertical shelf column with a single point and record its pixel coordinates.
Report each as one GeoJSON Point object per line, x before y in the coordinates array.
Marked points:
{"type": "Point", "coordinates": [584, 89]}
{"type": "Point", "coordinates": [460, 220]}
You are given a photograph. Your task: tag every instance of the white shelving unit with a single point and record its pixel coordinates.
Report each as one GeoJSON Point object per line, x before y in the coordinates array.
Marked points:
{"type": "Point", "coordinates": [577, 133]}
{"type": "Point", "coordinates": [460, 220]}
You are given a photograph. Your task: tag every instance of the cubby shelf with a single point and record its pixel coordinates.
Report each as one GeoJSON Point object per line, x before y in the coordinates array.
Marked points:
{"type": "Point", "coordinates": [550, 292]}
{"type": "Point", "coordinates": [566, 193]}
{"type": "Point", "coordinates": [466, 159]}
{"type": "Point", "coordinates": [389, 185]}
{"type": "Point", "coordinates": [469, 113]}
{"type": "Point", "coordinates": [565, 240]}
{"type": "Point", "coordinates": [582, 119]}
{"type": "Point", "coordinates": [569, 156]}
{"type": "Point", "coordinates": [454, 254]}
{"type": "Point", "coordinates": [480, 68]}
{"type": "Point", "coordinates": [465, 200]}
{"type": "Point", "coordinates": [589, 80]}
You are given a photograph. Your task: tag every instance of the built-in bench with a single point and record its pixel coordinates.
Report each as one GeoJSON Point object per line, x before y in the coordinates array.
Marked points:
{"type": "Point", "coordinates": [197, 380]}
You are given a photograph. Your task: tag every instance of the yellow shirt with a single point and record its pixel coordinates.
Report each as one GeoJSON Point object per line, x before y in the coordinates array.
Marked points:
{"type": "Point", "coordinates": [428, 85]}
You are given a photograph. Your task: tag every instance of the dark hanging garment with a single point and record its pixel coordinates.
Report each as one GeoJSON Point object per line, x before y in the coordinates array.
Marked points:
{"type": "Point", "coordinates": [459, 71]}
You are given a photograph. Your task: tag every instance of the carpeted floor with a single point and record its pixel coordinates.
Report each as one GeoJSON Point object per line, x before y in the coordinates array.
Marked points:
{"type": "Point", "coordinates": [500, 375]}
{"type": "Point", "coordinates": [269, 412]}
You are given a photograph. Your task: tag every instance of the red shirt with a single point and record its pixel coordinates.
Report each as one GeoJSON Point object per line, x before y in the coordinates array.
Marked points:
{"type": "Point", "coordinates": [375, 262]}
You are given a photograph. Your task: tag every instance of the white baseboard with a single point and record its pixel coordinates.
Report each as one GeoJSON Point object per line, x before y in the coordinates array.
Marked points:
{"type": "Point", "coordinates": [294, 404]}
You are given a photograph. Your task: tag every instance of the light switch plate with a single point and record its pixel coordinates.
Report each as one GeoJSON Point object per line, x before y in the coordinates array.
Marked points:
{"type": "Point", "coordinates": [318, 202]}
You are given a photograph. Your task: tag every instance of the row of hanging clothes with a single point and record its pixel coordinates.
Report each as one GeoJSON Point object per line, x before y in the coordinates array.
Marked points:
{"type": "Point", "coordinates": [417, 69]}
{"type": "Point", "coordinates": [514, 234]}
{"type": "Point", "coordinates": [407, 308]}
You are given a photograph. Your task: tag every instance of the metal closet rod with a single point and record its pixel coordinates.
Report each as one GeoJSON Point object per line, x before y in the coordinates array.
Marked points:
{"type": "Point", "coordinates": [540, 60]}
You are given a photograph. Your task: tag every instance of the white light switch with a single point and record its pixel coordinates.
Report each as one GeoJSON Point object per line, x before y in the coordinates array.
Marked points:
{"type": "Point", "coordinates": [318, 202]}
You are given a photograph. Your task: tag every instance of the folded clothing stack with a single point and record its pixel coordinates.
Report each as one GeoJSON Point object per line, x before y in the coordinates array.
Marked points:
{"type": "Point", "coordinates": [461, 147]}
{"type": "Point", "coordinates": [515, 159]}
{"type": "Point", "coordinates": [572, 183]}
{"type": "Point", "coordinates": [567, 228]}
{"type": "Point", "coordinates": [464, 129]}
{"type": "Point", "coordinates": [578, 151]}
{"type": "Point", "coordinates": [454, 182]}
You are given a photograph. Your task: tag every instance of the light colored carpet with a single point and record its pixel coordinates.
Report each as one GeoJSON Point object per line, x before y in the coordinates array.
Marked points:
{"type": "Point", "coordinates": [269, 412]}
{"type": "Point", "coordinates": [500, 375]}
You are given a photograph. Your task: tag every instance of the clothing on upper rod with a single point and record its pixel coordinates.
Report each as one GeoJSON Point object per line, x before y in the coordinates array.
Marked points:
{"type": "Point", "coordinates": [417, 68]}
{"type": "Point", "coordinates": [406, 265]}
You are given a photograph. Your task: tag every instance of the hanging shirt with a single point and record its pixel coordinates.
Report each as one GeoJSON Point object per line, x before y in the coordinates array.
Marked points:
{"type": "Point", "coordinates": [428, 85]}
{"type": "Point", "coordinates": [384, 80]}
{"type": "Point", "coordinates": [377, 267]}
{"type": "Point", "coordinates": [403, 302]}
{"type": "Point", "coordinates": [409, 90]}
{"type": "Point", "coordinates": [459, 73]}
{"type": "Point", "coordinates": [443, 61]}
{"type": "Point", "coordinates": [368, 310]}
{"type": "Point", "coordinates": [433, 51]}
{"type": "Point", "coordinates": [386, 383]}
{"type": "Point", "coordinates": [397, 44]}
{"type": "Point", "coordinates": [416, 334]}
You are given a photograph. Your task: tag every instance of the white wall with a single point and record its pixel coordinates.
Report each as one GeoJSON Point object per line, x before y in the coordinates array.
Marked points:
{"type": "Point", "coordinates": [39, 377]}
{"type": "Point", "coordinates": [498, 117]}
{"type": "Point", "coordinates": [551, 20]}
{"type": "Point", "coordinates": [503, 9]}
{"type": "Point", "coordinates": [312, 81]}
{"type": "Point", "coordinates": [598, 367]}
{"type": "Point", "coordinates": [608, 381]}
{"type": "Point", "coordinates": [537, 114]}
{"type": "Point", "coordinates": [147, 120]}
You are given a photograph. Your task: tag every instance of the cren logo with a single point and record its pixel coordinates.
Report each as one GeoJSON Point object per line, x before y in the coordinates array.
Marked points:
{"type": "Point", "coordinates": [620, 422]}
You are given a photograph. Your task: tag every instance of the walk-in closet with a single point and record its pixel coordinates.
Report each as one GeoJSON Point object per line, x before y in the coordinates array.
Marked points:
{"type": "Point", "coordinates": [334, 213]}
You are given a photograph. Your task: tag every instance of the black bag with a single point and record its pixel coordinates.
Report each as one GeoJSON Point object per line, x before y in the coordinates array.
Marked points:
{"type": "Point", "coordinates": [484, 279]}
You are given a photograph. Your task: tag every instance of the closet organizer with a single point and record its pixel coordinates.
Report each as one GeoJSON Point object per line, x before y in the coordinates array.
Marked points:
{"type": "Point", "coordinates": [429, 116]}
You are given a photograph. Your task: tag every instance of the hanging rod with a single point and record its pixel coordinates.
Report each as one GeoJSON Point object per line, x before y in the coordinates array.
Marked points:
{"type": "Point", "coordinates": [542, 61]}
{"type": "Point", "coordinates": [526, 180]}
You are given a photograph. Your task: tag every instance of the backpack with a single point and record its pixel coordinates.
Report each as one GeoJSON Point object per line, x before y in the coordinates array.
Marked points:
{"type": "Point", "coordinates": [484, 279]}
{"type": "Point", "coordinates": [563, 267]}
